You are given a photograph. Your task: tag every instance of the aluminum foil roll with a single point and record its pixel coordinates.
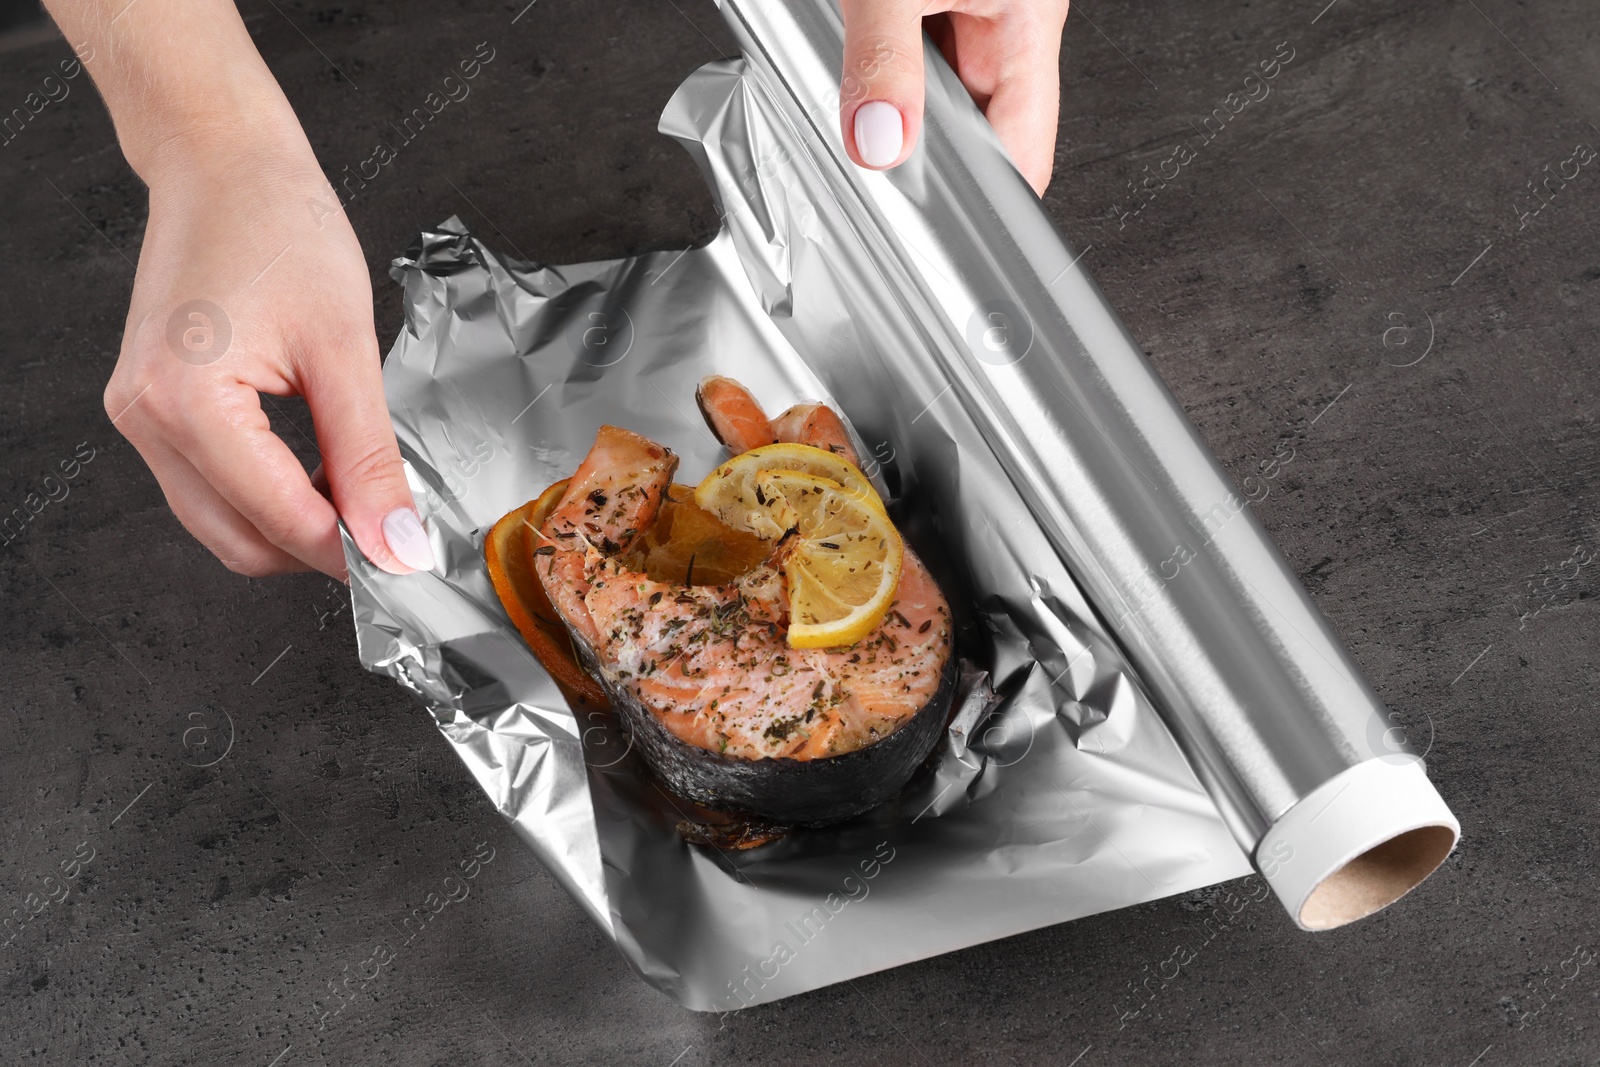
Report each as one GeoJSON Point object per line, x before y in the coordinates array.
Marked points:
{"type": "Point", "coordinates": [1268, 706]}
{"type": "Point", "coordinates": [1032, 459]}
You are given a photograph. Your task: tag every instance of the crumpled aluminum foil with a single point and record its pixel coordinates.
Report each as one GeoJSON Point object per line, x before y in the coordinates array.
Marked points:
{"type": "Point", "coordinates": [1060, 792]}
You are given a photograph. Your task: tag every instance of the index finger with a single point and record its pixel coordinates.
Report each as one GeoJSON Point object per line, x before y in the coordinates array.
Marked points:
{"type": "Point", "coordinates": [225, 434]}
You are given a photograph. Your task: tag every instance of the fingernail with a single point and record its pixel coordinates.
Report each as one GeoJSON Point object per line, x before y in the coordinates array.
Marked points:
{"type": "Point", "coordinates": [403, 531]}
{"type": "Point", "coordinates": [880, 133]}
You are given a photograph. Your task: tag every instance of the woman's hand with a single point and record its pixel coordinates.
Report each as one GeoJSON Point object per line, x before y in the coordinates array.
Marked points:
{"type": "Point", "coordinates": [250, 285]}
{"type": "Point", "coordinates": [251, 282]}
{"type": "Point", "coordinates": [1006, 52]}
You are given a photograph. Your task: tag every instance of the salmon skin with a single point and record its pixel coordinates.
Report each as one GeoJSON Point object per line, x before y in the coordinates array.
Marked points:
{"type": "Point", "coordinates": [793, 792]}
{"type": "Point", "coordinates": [714, 699]}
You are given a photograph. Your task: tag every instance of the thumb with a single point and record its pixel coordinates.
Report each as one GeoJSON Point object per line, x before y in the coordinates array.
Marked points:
{"type": "Point", "coordinates": [1024, 110]}
{"type": "Point", "coordinates": [880, 93]}
{"type": "Point", "coordinates": [362, 459]}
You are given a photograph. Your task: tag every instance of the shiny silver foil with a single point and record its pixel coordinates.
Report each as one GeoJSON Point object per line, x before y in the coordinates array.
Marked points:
{"type": "Point", "coordinates": [1028, 452]}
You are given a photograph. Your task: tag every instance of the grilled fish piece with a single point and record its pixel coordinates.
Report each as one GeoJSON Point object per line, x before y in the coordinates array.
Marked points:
{"type": "Point", "coordinates": [717, 703]}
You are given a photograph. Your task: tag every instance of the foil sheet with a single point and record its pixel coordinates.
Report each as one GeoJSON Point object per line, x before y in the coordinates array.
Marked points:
{"type": "Point", "coordinates": [1026, 449]}
{"type": "Point", "coordinates": [1059, 793]}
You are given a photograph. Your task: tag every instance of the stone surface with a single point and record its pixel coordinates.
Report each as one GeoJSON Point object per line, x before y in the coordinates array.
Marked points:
{"type": "Point", "coordinates": [1433, 505]}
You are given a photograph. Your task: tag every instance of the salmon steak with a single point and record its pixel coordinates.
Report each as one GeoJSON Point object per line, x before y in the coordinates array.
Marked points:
{"type": "Point", "coordinates": [704, 669]}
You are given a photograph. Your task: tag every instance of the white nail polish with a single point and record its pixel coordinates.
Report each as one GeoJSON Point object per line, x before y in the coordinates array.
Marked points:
{"type": "Point", "coordinates": [880, 133]}
{"type": "Point", "coordinates": [403, 532]}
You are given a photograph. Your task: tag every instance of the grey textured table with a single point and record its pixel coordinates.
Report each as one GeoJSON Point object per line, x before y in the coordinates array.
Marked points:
{"type": "Point", "coordinates": [1342, 273]}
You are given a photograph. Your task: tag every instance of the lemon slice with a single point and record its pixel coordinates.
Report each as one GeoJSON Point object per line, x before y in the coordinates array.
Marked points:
{"type": "Point", "coordinates": [729, 492]}
{"type": "Point", "coordinates": [844, 566]}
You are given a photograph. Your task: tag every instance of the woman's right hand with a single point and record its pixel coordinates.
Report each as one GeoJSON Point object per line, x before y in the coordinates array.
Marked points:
{"type": "Point", "coordinates": [1006, 52]}
{"type": "Point", "coordinates": [251, 282]}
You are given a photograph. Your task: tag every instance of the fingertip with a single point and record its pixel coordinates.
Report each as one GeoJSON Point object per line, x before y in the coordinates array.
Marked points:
{"type": "Point", "coordinates": [879, 131]}
{"type": "Point", "coordinates": [406, 542]}
{"type": "Point", "coordinates": [881, 82]}
{"type": "Point", "coordinates": [1039, 179]}
{"type": "Point", "coordinates": [1024, 111]}
{"type": "Point", "coordinates": [377, 507]}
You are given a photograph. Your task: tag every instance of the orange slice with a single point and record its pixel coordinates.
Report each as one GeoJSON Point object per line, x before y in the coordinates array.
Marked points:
{"type": "Point", "coordinates": [507, 550]}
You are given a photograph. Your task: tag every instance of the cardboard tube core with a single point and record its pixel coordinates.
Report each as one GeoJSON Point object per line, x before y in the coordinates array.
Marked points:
{"type": "Point", "coordinates": [1357, 843]}
{"type": "Point", "coordinates": [1377, 878]}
